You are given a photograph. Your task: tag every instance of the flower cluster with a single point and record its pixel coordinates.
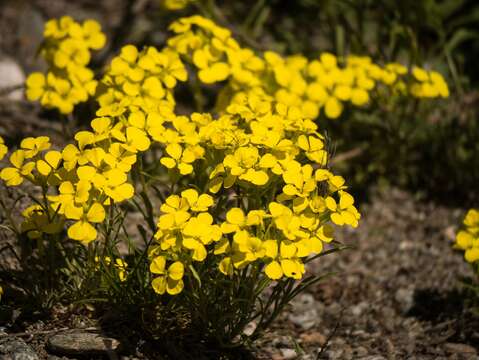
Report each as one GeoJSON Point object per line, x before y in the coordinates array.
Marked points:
{"type": "Point", "coordinates": [323, 85]}
{"type": "Point", "coordinates": [428, 84]}
{"type": "Point", "coordinates": [268, 156]}
{"type": "Point", "coordinates": [141, 80]}
{"type": "Point", "coordinates": [248, 187]}
{"type": "Point", "coordinates": [468, 238]}
{"type": "Point", "coordinates": [210, 47]}
{"type": "Point", "coordinates": [84, 178]}
{"type": "Point", "coordinates": [66, 49]}
{"type": "Point", "coordinates": [77, 183]}
{"type": "Point", "coordinates": [184, 231]}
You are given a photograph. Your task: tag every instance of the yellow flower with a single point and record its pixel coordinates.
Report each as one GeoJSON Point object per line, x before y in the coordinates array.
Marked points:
{"type": "Point", "coordinates": [120, 158]}
{"type": "Point", "coordinates": [344, 212]}
{"type": "Point", "coordinates": [116, 185]}
{"type": "Point", "coordinates": [179, 158]}
{"type": "Point", "coordinates": [236, 219]}
{"type": "Point", "coordinates": [134, 140]}
{"type": "Point", "coordinates": [299, 180]}
{"type": "Point", "coordinates": [471, 221]}
{"type": "Point", "coordinates": [314, 148]}
{"type": "Point", "coordinates": [243, 163]}
{"type": "Point", "coordinates": [15, 175]}
{"type": "Point", "coordinates": [32, 146]}
{"type": "Point", "coordinates": [217, 72]}
{"type": "Point", "coordinates": [121, 266]}
{"type": "Point", "coordinates": [69, 194]}
{"type": "Point", "coordinates": [82, 230]}
{"type": "Point", "coordinates": [468, 238]}
{"type": "Point", "coordinates": [92, 34]}
{"type": "Point", "coordinates": [197, 202]}
{"type": "Point", "coordinates": [250, 246]}
{"type": "Point", "coordinates": [50, 162]}
{"type": "Point", "coordinates": [66, 49]}
{"type": "Point", "coordinates": [428, 84]}
{"type": "Point", "coordinates": [198, 232]}
{"type": "Point", "coordinates": [175, 211]}
{"type": "Point", "coordinates": [170, 280]}
{"type": "Point", "coordinates": [286, 221]}
{"type": "Point", "coordinates": [35, 84]}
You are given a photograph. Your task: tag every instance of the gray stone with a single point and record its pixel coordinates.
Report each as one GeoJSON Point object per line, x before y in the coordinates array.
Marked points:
{"type": "Point", "coordinates": [456, 348]}
{"type": "Point", "coordinates": [250, 328]}
{"type": "Point", "coordinates": [358, 309]}
{"type": "Point", "coordinates": [82, 343]}
{"type": "Point", "coordinates": [288, 354]}
{"type": "Point", "coordinates": [16, 349]}
{"type": "Point", "coordinates": [405, 299]}
{"type": "Point", "coordinates": [334, 354]}
{"type": "Point", "coordinates": [304, 312]}
{"type": "Point", "coordinates": [11, 76]}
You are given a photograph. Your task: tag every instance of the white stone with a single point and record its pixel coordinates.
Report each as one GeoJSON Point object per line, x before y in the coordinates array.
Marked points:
{"type": "Point", "coordinates": [11, 75]}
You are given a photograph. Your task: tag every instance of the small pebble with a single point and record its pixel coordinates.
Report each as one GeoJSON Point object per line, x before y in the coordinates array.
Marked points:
{"type": "Point", "coordinates": [456, 348]}
{"type": "Point", "coordinates": [288, 354]}
{"type": "Point", "coordinates": [304, 312]}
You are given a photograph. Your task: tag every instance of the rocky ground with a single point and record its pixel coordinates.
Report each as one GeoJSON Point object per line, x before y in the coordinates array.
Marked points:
{"type": "Point", "coordinates": [397, 295]}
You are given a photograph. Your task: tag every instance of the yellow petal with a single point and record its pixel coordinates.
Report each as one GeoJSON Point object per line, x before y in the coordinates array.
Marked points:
{"type": "Point", "coordinates": [346, 200]}
{"type": "Point", "coordinates": [174, 150]}
{"type": "Point", "coordinates": [191, 195]}
{"type": "Point", "coordinates": [82, 231]}
{"type": "Point", "coordinates": [96, 213]}
{"type": "Point", "coordinates": [464, 240]}
{"type": "Point", "coordinates": [472, 255]}
{"type": "Point", "coordinates": [235, 216]}
{"type": "Point", "coordinates": [158, 265]}
{"type": "Point", "coordinates": [331, 203]}
{"type": "Point", "coordinates": [226, 267]}
{"type": "Point", "coordinates": [159, 285]}
{"type": "Point", "coordinates": [168, 162]}
{"type": "Point", "coordinates": [174, 287]}
{"type": "Point", "coordinates": [129, 53]}
{"type": "Point", "coordinates": [292, 268]}
{"type": "Point", "coordinates": [271, 248]}
{"type": "Point", "coordinates": [273, 270]}
{"type": "Point", "coordinates": [176, 270]}
{"type": "Point", "coordinates": [333, 108]}
{"type": "Point", "coordinates": [287, 250]}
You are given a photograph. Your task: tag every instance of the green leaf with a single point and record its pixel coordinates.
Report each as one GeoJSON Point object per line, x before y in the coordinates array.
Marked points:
{"type": "Point", "coordinates": [459, 37]}
{"type": "Point", "coordinates": [195, 274]}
